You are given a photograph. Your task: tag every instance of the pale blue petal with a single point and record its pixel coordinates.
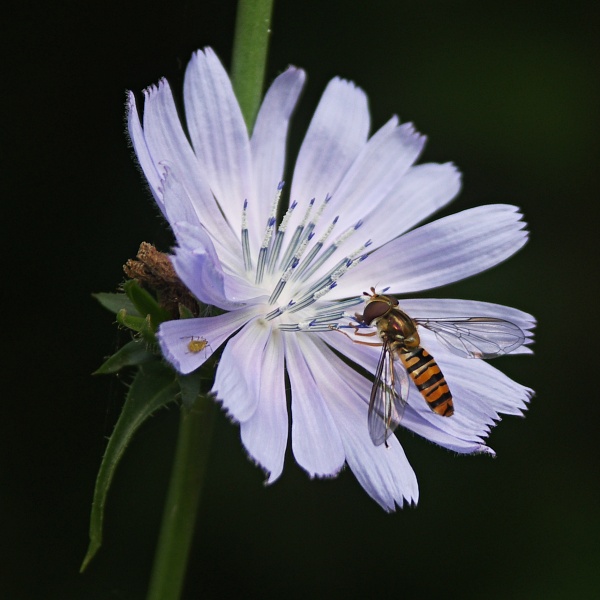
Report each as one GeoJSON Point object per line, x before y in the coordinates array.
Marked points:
{"type": "Point", "coordinates": [169, 147]}
{"type": "Point", "coordinates": [138, 141]}
{"type": "Point", "coordinates": [423, 190]}
{"type": "Point", "coordinates": [174, 337]}
{"type": "Point", "coordinates": [199, 268]}
{"type": "Point", "coordinates": [365, 351]}
{"type": "Point", "coordinates": [185, 221]}
{"type": "Point", "coordinates": [385, 216]}
{"type": "Point", "coordinates": [241, 368]}
{"type": "Point", "coordinates": [439, 253]}
{"type": "Point", "coordinates": [377, 171]}
{"type": "Point", "coordinates": [177, 202]}
{"type": "Point", "coordinates": [218, 134]}
{"type": "Point", "coordinates": [315, 438]}
{"type": "Point", "coordinates": [384, 473]}
{"type": "Point", "coordinates": [268, 145]}
{"type": "Point", "coordinates": [336, 135]}
{"type": "Point", "coordinates": [265, 433]}
{"type": "Point", "coordinates": [437, 433]}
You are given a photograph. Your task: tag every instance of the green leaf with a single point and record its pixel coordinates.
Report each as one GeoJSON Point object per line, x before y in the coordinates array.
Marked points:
{"type": "Point", "coordinates": [133, 353]}
{"type": "Point", "coordinates": [116, 302]}
{"type": "Point", "coordinates": [153, 387]}
{"type": "Point", "coordinates": [145, 303]}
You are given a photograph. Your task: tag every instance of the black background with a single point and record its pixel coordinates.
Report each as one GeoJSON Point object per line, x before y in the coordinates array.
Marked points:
{"type": "Point", "coordinates": [509, 92]}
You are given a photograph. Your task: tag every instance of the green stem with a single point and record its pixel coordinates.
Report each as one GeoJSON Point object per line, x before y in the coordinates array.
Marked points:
{"type": "Point", "coordinates": [252, 31]}
{"type": "Point", "coordinates": [179, 517]}
{"type": "Point", "coordinates": [168, 573]}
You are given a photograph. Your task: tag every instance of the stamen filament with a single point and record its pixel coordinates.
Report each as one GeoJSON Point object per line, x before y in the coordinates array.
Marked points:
{"type": "Point", "coordinates": [308, 230]}
{"type": "Point", "coordinates": [331, 316]}
{"type": "Point", "coordinates": [309, 299]}
{"type": "Point", "coordinates": [246, 239]}
{"type": "Point", "coordinates": [304, 326]}
{"type": "Point", "coordinates": [288, 327]}
{"type": "Point", "coordinates": [273, 314]}
{"type": "Point", "coordinates": [329, 277]}
{"type": "Point", "coordinates": [295, 241]}
{"type": "Point", "coordinates": [316, 249]}
{"type": "Point", "coordinates": [276, 248]}
{"type": "Point", "coordinates": [331, 249]}
{"type": "Point", "coordinates": [264, 249]}
{"type": "Point", "coordinates": [281, 283]}
{"type": "Point", "coordinates": [337, 310]}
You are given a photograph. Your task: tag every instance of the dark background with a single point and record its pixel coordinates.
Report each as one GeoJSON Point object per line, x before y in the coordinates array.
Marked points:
{"type": "Point", "coordinates": [509, 92]}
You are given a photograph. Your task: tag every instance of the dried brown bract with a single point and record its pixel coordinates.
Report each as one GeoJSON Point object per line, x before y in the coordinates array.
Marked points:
{"type": "Point", "coordinates": [155, 272]}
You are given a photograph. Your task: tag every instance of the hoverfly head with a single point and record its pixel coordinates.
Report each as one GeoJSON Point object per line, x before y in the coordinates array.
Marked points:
{"type": "Point", "coordinates": [378, 306]}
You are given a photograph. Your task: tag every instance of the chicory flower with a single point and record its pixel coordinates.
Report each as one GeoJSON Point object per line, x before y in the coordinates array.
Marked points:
{"type": "Point", "coordinates": [284, 284]}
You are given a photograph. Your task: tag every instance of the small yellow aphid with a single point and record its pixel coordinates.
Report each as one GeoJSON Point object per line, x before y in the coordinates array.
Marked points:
{"type": "Point", "coordinates": [197, 344]}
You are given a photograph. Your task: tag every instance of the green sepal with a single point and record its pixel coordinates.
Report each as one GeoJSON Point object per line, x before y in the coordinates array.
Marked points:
{"type": "Point", "coordinates": [141, 325]}
{"type": "Point", "coordinates": [131, 321]}
{"type": "Point", "coordinates": [185, 312]}
{"type": "Point", "coordinates": [145, 303]}
{"type": "Point", "coordinates": [133, 353]}
{"type": "Point", "coordinates": [154, 386]}
{"type": "Point", "coordinates": [191, 387]}
{"type": "Point", "coordinates": [116, 302]}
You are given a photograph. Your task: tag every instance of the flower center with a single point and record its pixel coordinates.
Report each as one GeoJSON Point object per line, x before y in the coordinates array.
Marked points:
{"type": "Point", "coordinates": [299, 269]}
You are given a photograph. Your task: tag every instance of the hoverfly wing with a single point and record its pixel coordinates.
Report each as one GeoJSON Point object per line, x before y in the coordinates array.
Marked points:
{"type": "Point", "coordinates": [379, 393]}
{"type": "Point", "coordinates": [476, 337]}
{"type": "Point", "coordinates": [388, 397]}
{"type": "Point", "coordinates": [401, 385]}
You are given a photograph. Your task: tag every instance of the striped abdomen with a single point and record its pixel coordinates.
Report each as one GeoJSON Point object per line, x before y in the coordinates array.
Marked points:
{"type": "Point", "coordinates": [430, 380]}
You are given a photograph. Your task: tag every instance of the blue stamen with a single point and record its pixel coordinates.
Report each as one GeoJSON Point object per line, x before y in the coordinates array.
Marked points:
{"type": "Point", "coordinates": [246, 239]}
{"type": "Point", "coordinates": [331, 249]}
{"type": "Point", "coordinates": [264, 249]}
{"type": "Point", "coordinates": [296, 239]}
{"type": "Point", "coordinates": [276, 248]}
{"type": "Point", "coordinates": [282, 282]}
{"type": "Point", "coordinates": [316, 249]}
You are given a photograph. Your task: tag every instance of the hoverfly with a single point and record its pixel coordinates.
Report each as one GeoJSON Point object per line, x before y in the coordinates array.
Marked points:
{"type": "Point", "coordinates": [469, 337]}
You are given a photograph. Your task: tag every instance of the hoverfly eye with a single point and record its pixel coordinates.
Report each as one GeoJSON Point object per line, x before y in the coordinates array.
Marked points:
{"type": "Point", "coordinates": [375, 310]}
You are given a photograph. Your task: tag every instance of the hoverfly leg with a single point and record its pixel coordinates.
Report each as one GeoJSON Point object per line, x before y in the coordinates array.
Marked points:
{"type": "Point", "coordinates": [370, 334]}
{"type": "Point", "coordinates": [355, 327]}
